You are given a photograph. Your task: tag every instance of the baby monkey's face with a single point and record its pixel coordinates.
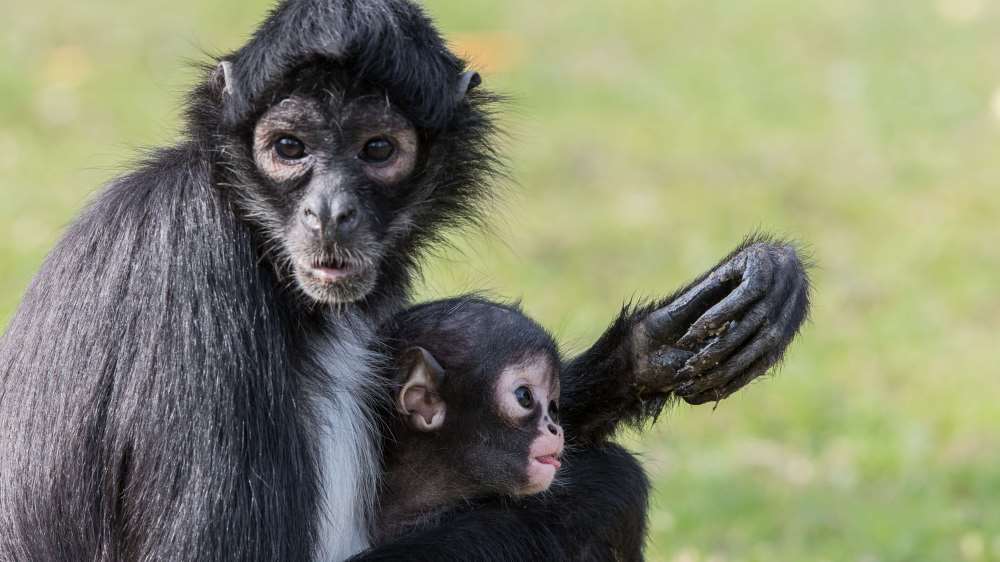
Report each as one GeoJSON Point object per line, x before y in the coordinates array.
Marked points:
{"type": "Point", "coordinates": [527, 397]}
{"type": "Point", "coordinates": [505, 435]}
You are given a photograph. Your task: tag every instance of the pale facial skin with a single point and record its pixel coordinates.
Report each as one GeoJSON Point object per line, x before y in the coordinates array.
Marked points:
{"type": "Point", "coordinates": [528, 390]}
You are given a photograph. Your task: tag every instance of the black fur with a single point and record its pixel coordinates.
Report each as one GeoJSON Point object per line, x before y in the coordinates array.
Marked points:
{"type": "Point", "coordinates": [470, 334]}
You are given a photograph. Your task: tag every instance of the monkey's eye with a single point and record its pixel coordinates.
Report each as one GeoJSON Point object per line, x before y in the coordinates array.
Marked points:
{"type": "Point", "coordinates": [524, 397]}
{"type": "Point", "coordinates": [377, 150]}
{"type": "Point", "coordinates": [290, 148]}
{"type": "Point", "coordinates": [554, 411]}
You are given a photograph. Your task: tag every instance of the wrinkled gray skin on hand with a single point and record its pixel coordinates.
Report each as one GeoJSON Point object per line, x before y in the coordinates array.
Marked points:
{"type": "Point", "coordinates": [725, 329]}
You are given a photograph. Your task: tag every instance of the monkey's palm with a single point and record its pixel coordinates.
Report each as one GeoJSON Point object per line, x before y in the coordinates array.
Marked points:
{"type": "Point", "coordinates": [727, 328]}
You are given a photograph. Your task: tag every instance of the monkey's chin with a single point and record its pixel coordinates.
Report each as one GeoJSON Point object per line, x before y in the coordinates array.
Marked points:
{"type": "Point", "coordinates": [541, 472]}
{"type": "Point", "coordinates": [329, 285]}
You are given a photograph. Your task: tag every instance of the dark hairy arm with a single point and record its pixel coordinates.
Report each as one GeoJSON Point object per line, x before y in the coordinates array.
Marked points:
{"type": "Point", "coordinates": [701, 344]}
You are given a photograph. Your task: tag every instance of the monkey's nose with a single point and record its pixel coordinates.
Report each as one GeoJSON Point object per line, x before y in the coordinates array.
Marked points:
{"type": "Point", "coordinates": [337, 220]}
{"type": "Point", "coordinates": [553, 429]}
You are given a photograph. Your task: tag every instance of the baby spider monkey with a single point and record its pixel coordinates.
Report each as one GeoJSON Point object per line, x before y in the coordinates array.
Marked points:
{"type": "Point", "coordinates": [475, 400]}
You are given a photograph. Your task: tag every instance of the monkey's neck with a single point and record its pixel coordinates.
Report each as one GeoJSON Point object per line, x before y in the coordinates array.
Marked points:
{"type": "Point", "coordinates": [419, 486]}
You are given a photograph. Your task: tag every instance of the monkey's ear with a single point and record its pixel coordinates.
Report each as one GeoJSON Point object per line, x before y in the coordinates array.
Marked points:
{"type": "Point", "coordinates": [225, 79]}
{"type": "Point", "coordinates": [226, 82]}
{"type": "Point", "coordinates": [467, 81]}
{"type": "Point", "coordinates": [419, 398]}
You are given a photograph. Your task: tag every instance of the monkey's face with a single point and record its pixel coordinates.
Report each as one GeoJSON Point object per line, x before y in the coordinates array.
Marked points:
{"type": "Point", "coordinates": [527, 397]}
{"type": "Point", "coordinates": [337, 173]}
{"type": "Point", "coordinates": [346, 188]}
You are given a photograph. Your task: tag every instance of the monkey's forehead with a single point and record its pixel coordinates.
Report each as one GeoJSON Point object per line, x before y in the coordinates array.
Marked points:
{"type": "Point", "coordinates": [328, 109]}
{"type": "Point", "coordinates": [538, 368]}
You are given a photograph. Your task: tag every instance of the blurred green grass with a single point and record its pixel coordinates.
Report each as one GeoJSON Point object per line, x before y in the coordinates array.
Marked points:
{"type": "Point", "coordinates": [647, 139]}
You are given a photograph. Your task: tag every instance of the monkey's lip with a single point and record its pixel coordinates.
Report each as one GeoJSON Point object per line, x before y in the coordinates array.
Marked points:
{"type": "Point", "coordinates": [551, 460]}
{"type": "Point", "coordinates": [333, 272]}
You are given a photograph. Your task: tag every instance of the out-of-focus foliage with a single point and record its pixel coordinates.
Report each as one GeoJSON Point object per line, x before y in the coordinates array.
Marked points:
{"type": "Point", "coordinates": [647, 138]}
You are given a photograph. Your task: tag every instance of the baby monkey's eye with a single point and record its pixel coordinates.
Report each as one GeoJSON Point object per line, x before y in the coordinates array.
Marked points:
{"type": "Point", "coordinates": [524, 397]}
{"type": "Point", "coordinates": [377, 150]}
{"type": "Point", "coordinates": [554, 411]}
{"type": "Point", "coordinates": [290, 148]}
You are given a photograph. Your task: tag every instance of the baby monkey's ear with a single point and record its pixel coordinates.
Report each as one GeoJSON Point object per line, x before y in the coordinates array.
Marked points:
{"type": "Point", "coordinates": [419, 398]}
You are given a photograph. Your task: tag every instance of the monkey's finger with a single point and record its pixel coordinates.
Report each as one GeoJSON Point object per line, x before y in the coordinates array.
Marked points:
{"type": "Point", "coordinates": [731, 369]}
{"type": "Point", "coordinates": [756, 280]}
{"type": "Point", "coordinates": [756, 369]}
{"type": "Point", "coordinates": [664, 366]}
{"type": "Point", "coordinates": [787, 323]}
{"type": "Point", "coordinates": [670, 321]}
{"type": "Point", "coordinates": [768, 345]}
{"type": "Point", "coordinates": [717, 351]}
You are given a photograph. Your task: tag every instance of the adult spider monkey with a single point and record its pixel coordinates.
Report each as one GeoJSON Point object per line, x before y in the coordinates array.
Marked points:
{"type": "Point", "coordinates": [186, 377]}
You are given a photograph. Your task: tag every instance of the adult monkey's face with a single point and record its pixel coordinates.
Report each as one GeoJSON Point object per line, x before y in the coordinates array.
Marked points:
{"type": "Point", "coordinates": [345, 184]}
{"type": "Point", "coordinates": [348, 136]}
{"type": "Point", "coordinates": [341, 166]}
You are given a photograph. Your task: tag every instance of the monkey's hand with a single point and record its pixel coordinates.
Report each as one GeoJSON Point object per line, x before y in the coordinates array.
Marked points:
{"type": "Point", "coordinates": [702, 344]}
{"type": "Point", "coordinates": [725, 329]}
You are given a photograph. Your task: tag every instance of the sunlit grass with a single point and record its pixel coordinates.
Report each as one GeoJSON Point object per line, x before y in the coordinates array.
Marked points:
{"type": "Point", "coordinates": [647, 139]}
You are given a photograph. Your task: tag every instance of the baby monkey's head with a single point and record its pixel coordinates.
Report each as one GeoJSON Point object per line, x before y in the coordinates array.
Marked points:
{"type": "Point", "coordinates": [478, 383]}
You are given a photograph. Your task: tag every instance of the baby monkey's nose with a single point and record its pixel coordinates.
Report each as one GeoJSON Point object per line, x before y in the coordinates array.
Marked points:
{"type": "Point", "coordinates": [553, 429]}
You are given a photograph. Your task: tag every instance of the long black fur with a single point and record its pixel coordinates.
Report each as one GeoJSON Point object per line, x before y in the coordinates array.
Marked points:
{"type": "Point", "coordinates": [147, 410]}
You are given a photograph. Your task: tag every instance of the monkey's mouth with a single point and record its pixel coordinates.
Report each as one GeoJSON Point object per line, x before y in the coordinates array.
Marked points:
{"type": "Point", "coordinates": [333, 277]}
{"type": "Point", "coordinates": [333, 271]}
{"type": "Point", "coordinates": [540, 473]}
{"type": "Point", "coordinates": [551, 460]}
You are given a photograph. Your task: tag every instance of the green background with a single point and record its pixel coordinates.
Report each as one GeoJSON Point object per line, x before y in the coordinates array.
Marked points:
{"type": "Point", "coordinates": [646, 139]}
